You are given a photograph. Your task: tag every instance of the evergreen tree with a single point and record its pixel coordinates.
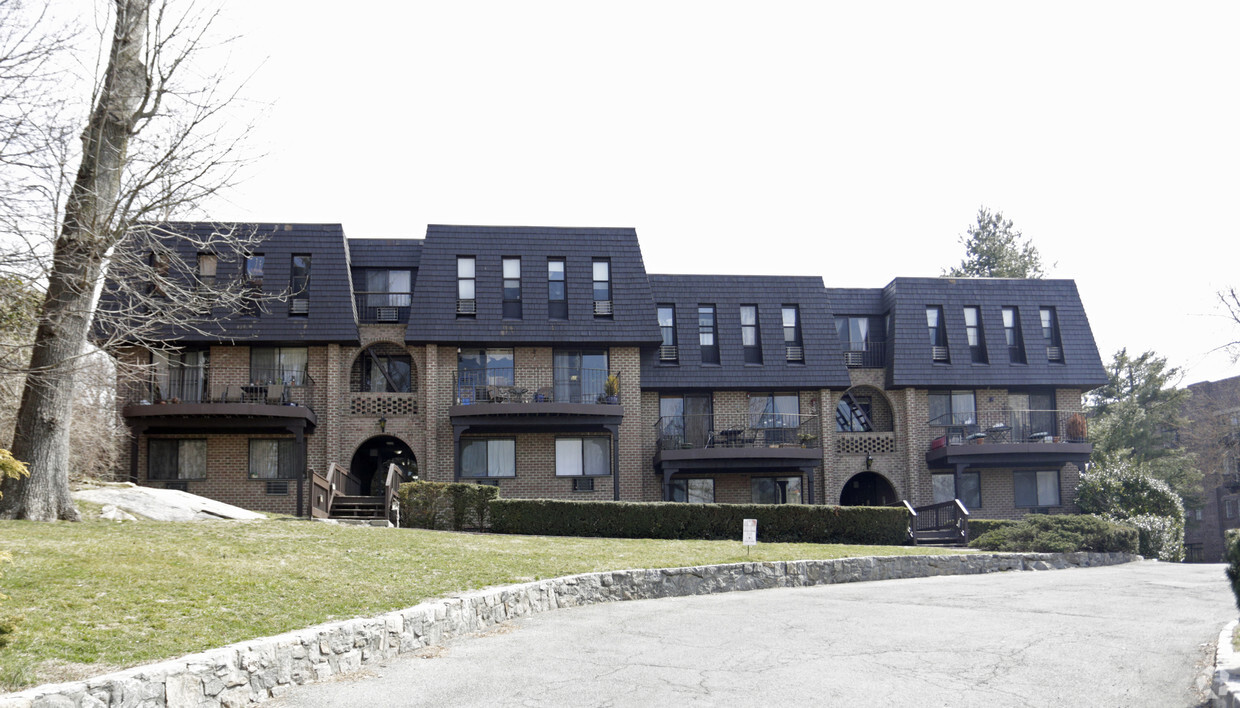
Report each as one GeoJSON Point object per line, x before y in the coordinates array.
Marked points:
{"type": "Point", "coordinates": [995, 248]}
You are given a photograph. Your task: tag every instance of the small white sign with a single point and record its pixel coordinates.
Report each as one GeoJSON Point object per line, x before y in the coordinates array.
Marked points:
{"type": "Point", "coordinates": [749, 537]}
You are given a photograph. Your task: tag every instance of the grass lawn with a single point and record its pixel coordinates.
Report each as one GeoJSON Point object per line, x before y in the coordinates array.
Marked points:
{"type": "Point", "coordinates": [97, 596]}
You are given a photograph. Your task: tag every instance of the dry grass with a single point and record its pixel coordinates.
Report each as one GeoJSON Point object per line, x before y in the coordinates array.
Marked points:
{"type": "Point", "coordinates": [94, 596]}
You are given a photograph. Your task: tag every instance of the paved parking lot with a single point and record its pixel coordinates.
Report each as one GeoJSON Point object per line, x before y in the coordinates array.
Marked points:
{"type": "Point", "coordinates": [1140, 634]}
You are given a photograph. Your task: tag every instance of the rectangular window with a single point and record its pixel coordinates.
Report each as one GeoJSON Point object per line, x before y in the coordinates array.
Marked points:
{"type": "Point", "coordinates": [299, 285]}
{"type": "Point", "coordinates": [1011, 332]}
{"type": "Point", "coordinates": [273, 459]}
{"type": "Point", "coordinates": [970, 495]}
{"type": "Point", "coordinates": [590, 457]}
{"type": "Point", "coordinates": [254, 265]}
{"type": "Point", "coordinates": [687, 420]}
{"type": "Point", "coordinates": [938, 334]}
{"type": "Point", "coordinates": [776, 490]}
{"type": "Point", "coordinates": [668, 351]}
{"type": "Point", "coordinates": [1229, 508]}
{"type": "Point", "coordinates": [489, 458]}
{"type": "Point", "coordinates": [602, 288]}
{"type": "Point", "coordinates": [749, 334]}
{"type": "Point", "coordinates": [466, 290]}
{"type": "Point", "coordinates": [282, 365]}
{"type": "Point", "coordinates": [176, 459]}
{"type": "Point", "coordinates": [1040, 488]}
{"type": "Point", "coordinates": [973, 331]}
{"type": "Point", "coordinates": [512, 288]}
{"type": "Point", "coordinates": [1050, 332]}
{"type": "Point", "coordinates": [952, 408]}
{"type": "Point", "coordinates": [251, 305]}
{"type": "Point", "coordinates": [693, 491]}
{"type": "Point", "coordinates": [774, 410]}
{"type": "Point", "coordinates": [580, 375]}
{"type": "Point", "coordinates": [863, 339]}
{"type": "Point", "coordinates": [794, 349]}
{"type": "Point", "coordinates": [483, 374]}
{"type": "Point", "coordinates": [708, 338]}
{"type": "Point", "coordinates": [208, 263]}
{"type": "Point", "coordinates": [557, 291]}
{"type": "Point", "coordinates": [387, 295]}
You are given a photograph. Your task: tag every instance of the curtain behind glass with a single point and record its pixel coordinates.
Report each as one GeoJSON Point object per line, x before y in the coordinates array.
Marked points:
{"type": "Point", "coordinates": [192, 463]}
{"type": "Point", "coordinates": [1048, 488]}
{"type": "Point", "coordinates": [474, 458]}
{"type": "Point", "coordinates": [568, 457]}
{"type": "Point", "coordinates": [597, 453]}
{"type": "Point", "coordinates": [161, 459]}
{"type": "Point", "coordinates": [502, 458]}
{"type": "Point", "coordinates": [293, 361]}
{"type": "Point", "coordinates": [264, 459]}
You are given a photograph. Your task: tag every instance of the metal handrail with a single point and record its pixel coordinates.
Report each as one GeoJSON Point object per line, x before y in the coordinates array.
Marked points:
{"type": "Point", "coordinates": [524, 384]}
{"type": "Point", "coordinates": [867, 355]}
{"type": "Point", "coordinates": [1019, 426]}
{"type": "Point", "coordinates": [377, 307]}
{"type": "Point", "coordinates": [220, 384]}
{"type": "Point", "coordinates": [701, 431]}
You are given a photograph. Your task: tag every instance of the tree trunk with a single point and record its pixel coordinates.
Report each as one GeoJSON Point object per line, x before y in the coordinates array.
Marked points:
{"type": "Point", "coordinates": [41, 438]}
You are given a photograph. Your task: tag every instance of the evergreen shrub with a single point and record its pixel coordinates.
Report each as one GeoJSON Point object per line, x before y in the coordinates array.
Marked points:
{"type": "Point", "coordinates": [1066, 533]}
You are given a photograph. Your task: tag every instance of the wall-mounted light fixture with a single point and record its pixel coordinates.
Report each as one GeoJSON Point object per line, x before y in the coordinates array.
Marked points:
{"type": "Point", "coordinates": [382, 424]}
{"type": "Point", "coordinates": [869, 461]}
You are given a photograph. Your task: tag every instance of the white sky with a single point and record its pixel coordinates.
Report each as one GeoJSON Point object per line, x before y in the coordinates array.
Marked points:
{"type": "Point", "coordinates": [849, 140]}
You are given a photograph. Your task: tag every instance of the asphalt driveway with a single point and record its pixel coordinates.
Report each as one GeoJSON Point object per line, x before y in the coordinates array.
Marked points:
{"type": "Point", "coordinates": [1139, 634]}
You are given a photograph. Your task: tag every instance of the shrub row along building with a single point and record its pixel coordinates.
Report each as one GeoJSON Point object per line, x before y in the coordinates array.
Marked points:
{"type": "Point", "coordinates": [546, 361]}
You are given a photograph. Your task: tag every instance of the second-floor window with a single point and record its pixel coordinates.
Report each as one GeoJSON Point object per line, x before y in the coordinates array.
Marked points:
{"type": "Point", "coordinates": [512, 288]}
{"type": "Point", "coordinates": [938, 334]}
{"type": "Point", "coordinates": [466, 292]}
{"type": "Point", "coordinates": [668, 351]}
{"type": "Point", "coordinates": [254, 265]}
{"type": "Point", "coordinates": [602, 288]}
{"type": "Point", "coordinates": [708, 335]}
{"type": "Point", "coordinates": [973, 331]}
{"type": "Point", "coordinates": [483, 373]}
{"type": "Point", "coordinates": [1050, 332]}
{"type": "Point", "coordinates": [207, 264]}
{"type": "Point", "coordinates": [749, 334]}
{"type": "Point", "coordinates": [952, 408]}
{"type": "Point", "coordinates": [284, 365]}
{"type": "Point", "coordinates": [1011, 333]}
{"type": "Point", "coordinates": [557, 291]}
{"type": "Point", "coordinates": [299, 285]}
{"type": "Point", "coordinates": [794, 350]}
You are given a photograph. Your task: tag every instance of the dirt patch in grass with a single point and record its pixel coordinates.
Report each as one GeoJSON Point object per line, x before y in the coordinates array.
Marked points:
{"type": "Point", "coordinates": [97, 595]}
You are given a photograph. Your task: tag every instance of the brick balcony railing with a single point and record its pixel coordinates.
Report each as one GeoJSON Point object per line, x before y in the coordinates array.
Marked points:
{"type": "Point", "coordinates": [220, 384]}
{"type": "Point", "coordinates": [536, 385]}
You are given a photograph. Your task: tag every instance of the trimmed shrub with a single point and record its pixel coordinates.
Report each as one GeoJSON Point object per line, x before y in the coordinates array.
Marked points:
{"type": "Point", "coordinates": [777, 523]}
{"type": "Point", "coordinates": [440, 505]}
{"type": "Point", "coordinates": [1233, 562]}
{"type": "Point", "coordinates": [1040, 533]}
{"type": "Point", "coordinates": [981, 527]}
{"type": "Point", "coordinates": [1122, 491]}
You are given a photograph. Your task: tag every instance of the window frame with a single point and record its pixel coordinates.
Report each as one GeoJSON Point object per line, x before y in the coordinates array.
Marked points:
{"type": "Point", "coordinates": [794, 342]}
{"type": "Point", "coordinates": [1037, 479]}
{"type": "Point", "coordinates": [487, 444]}
{"type": "Point", "coordinates": [667, 333]}
{"type": "Point", "coordinates": [709, 352]}
{"type": "Point", "coordinates": [752, 351]}
{"type": "Point", "coordinates": [603, 283]}
{"type": "Point", "coordinates": [1049, 319]}
{"type": "Point", "coordinates": [176, 474]}
{"type": "Point", "coordinates": [782, 494]}
{"type": "Point", "coordinates": [936, 327]}
{"type": "Point", "coordinates": [580, 441]}
{"type": "Point", "coordinates": [368, 373]}
{"type": "Point", "coordinates": [955, 418]}
{"type": "Point", "coordinates": [976, 477]}
{"type": "Point", "coordinates": [1012, 334]}
{"type": "Point", "coordinates": [557, 307]}
{"type": "Point", "coordinates": [975, 335]}
{"type": "Point", "coordinates": [299, 372]}
{"type": "Point", "coordinates": [683, 485]}
{"type": "Point", "coordinates": [282, 444]}
{"type": "Point", "coordinates": [463, 280]}
{"type": "Point", "coordinates": [511, 288]}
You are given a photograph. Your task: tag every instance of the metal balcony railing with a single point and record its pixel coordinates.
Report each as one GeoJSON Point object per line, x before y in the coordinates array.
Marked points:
{"type": "Point", "coordinates": [1010, 427]}
{"type": "Point", "coordinates": [383, 307]}
{"type": "Point", "coordinates": [695, 432]}
{"type": "Point", "coordinates": [865, 355]}
{"type": "Point", "coordinates": [220, 384]}
{"type": "Point", "coordinates": [536, 385]}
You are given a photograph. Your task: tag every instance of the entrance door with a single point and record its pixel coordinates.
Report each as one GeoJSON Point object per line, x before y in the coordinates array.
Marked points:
{"type": "Point", "coordinates": [868, 489]}
{"type": "Point", "coordinates": [370, 464]}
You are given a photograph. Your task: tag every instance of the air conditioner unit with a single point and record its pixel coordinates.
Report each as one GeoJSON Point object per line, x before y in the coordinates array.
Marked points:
{"type": "Point", "coordinates": [387, 314]}
{"type": "Point", "coordinates": [939, 354]}
{"type": "Point", "coordinates": [669, 352]}
{"type": "Point", "coordinates": [854, 359]}
{"type": "Point", "coordinates": [466, 307]}
{"type": "Point", "coordinates": [277, 488]}
{"type": "Point", "coordinates": [794, 353]}
{"type": "Point", "coordinates": [602, 307]}
{"type": "Point", "coordinates": [1054, 354]}
{"type": "Point", "coordinates": [583, 485]}
{"type": "Point", "coordinates": [299, 306]}
{"type": "Point", "coordinates": [179, 486]}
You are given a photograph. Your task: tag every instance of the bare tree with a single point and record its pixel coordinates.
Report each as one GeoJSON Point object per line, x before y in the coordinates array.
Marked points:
{"type": "Point", "coordinates": [1230, 299]}
{"type": "Point", "coordinates": [154, 147]}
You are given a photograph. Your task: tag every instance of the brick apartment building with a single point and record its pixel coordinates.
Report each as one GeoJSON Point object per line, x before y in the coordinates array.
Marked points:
{"type": "Point", "coordinates": [1213, 421]}
{"type": "Point", "coordinates": [546, 361]}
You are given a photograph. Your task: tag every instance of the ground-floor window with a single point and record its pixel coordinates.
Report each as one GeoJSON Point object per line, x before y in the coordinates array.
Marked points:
{"type": "Point", "coordinates": [693, 491]}
{"type": "Point", "coordinates": [176, 459]}
{"type": "Point", "coordinates": [970, 492]}
{"type": "Point", "coordinates": [1229, 508]}
{"type": "Point", "coordinates": [273, 459]}
{"type": "Point", "coordinates": [489, 458]}
{"type": "Point", "coordinates": [1040, 488]}
{"type": "Point", "coordinates": [776, 490]}
{"type": "Point", "coordinates": [590, 457]}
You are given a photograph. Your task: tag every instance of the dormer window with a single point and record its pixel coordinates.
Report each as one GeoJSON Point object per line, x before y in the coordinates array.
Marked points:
{"type": "Point", "coordinates": [973, 331]}
{"type": "Point", "coordinates": [749, 334]}
{"type": "Point", "coordinates": [794, 348]}
{"type": "Point", "coordinates": [1050, 332]}
{"type": "Point", "coordinates": [299, 285]}
{"type": "Point", "coordinates": [512, 288]}
{"type": "Point", "coordinates": [938, 335]}
{"type": "Point", "coordinates": [602, 288]}
{"type": "Point", "coordinates": [668, 351]}
{"type": "Point", "coordinates": [1011, 332]}
{"type": "Point", "coordinates": [207, 266]}
{"type": "Point", "coordinates": [557, 293]}
{"type": "Point", "coordinates": [708, 335]}
{"type": "Point", "coordinates": [466, 305]}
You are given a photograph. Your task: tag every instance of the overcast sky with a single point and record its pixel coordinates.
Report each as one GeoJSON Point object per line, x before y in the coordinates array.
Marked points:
{"type": "Point", "coordinates": [854, 141]}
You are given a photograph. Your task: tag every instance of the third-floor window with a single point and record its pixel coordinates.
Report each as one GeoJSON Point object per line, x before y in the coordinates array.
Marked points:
{"type": "Point", "coordinates": [299, 285]}
{"type": "Point", "coordinates": [794, 350]}
{"type": "Point", "coordinates": [465, 286]}
{"type": "Point", "coordinates": [512, 287]}
{"type": "Point", "coordinates": [938, 333]}
{"type": "Point", "coordinates": [973, 332]}
{"type": "Point", "coordinates": [602, 287]}
{"type": "Point", "coordinates": [1011, 332]}
{"type": "Point", "coordinates": [668, 351]}
{"type": "Point", "coordinates": [557, 292]}
{"type": "Point", "coordinates": [708, 335]}
{"type": "Point", "coordinates": [750, 340]}
{"type": "Point", "coordinates": [1050, 332]}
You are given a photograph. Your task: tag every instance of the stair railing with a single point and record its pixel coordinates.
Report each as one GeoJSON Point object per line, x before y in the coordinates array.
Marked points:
{"type": "Point", "coordinates": [389, 486]}
{"type": "Point", "coordinates": [949, 516]}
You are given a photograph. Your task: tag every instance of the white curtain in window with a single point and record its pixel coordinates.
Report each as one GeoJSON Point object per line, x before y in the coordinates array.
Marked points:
{"type": "Point", "coordinates": [501, 458]}
{"type": "Point", "coordinates": [400, 283]}
{"type": "Point", "coordinates": [293, 362]}
{"type": "Point", "coordinates": [944, 488]}
{"type": "Point", "coordinates": [264, 459]}
{"type": "Point", "coordinates": [1048, 488]}
{"type": "Point", "coordinates": [474, 458]}
{"type": "Point", "coordinates": [597, 453]}
{"type": "Point", "coordinates": [568, 457]}
{"type": "Point", "coordinates": [193, 459]}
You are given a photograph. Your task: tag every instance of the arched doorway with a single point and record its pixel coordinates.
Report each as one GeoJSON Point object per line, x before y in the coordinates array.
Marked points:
{"type": "Point", "coordinates": [868, 489]}
{"type": "Point", "coordinates": [371, 460]}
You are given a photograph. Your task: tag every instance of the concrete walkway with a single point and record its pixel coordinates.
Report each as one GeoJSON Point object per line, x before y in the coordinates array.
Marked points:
{"type": "Point", "coordinates": [1139, 634]}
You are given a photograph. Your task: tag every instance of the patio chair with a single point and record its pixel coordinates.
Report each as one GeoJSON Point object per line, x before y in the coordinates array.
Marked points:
{"type": "Point", "coordinates": [218, 391]}
{"type": "Point", "coordinates": [232, 394]}
{"type": "Point", "coordinates": [275, 394]}
{"type": "Point", "coordinates": [546, 394]}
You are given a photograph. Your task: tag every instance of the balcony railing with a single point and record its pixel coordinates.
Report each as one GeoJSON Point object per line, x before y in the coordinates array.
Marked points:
{"type": "Point", "coordinates": [865, 355]}
{"type": "Point", "coordinates": [1010, 427]}
{"type": "Point", "coordinates": [536, 385]}
{"type": "Point", "coordinates": [695, 432]}
{"type": "Point", "coordinates": [383, 307]}
{"type": "Point", "coordinates": [221, 384]}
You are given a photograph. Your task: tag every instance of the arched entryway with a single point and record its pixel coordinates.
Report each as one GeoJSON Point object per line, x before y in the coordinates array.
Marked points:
{"type": "Point", "coordinates": [868, 489]}
{"type": "Point", "coordinates": [370, 462]}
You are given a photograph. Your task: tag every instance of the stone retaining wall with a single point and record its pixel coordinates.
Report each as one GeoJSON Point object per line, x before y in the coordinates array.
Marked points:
{"type": "Point", "coordinates": [253, 671]}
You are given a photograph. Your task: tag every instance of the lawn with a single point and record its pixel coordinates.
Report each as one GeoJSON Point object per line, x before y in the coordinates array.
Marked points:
{"type": "Point", "coordinates": [96, 596]}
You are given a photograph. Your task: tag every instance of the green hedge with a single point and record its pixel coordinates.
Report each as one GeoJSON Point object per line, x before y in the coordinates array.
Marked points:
{"type": "Point", "coordinates": [981, 527]}
{"type": "Point", "coordinates": [1066, 533]}
{"type": "Point", "coordinates": [1233, 562]}
{"type": "Point", "coordinates": [776, 523]}
{"type": "Point", "coordinates": [442, 505]}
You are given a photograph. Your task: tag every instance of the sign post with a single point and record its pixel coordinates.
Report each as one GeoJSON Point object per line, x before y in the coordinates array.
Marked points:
{"type": "Point", "coordinates": [749, 534]}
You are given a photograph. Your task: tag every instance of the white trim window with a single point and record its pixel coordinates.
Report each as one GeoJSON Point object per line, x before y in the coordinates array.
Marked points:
{"type": "Point", "coordinates": [583, 457]}
{"type": "Point", "coordinates": [1035, 488]}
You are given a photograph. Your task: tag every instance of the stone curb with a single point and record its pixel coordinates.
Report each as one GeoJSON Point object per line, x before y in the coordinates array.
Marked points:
{"type": "Point", "coordinates": [256, 670]}
{"type": "Point", "coordinates": [1226, 685]}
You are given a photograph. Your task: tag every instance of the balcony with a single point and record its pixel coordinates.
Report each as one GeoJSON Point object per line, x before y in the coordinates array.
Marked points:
{"type": "Point", "coordinates": [865, 355]}
{"type": "Point", "coordinates": [554, 396]}
{"type": "Point", "coordinates": [1010, 439]}
{"type": "Point", "coordinates": [764, 441]}
{"type": "Point", "coordinates": [186, 397]}
{"type": "Point", "coordinates": [383, 307]}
